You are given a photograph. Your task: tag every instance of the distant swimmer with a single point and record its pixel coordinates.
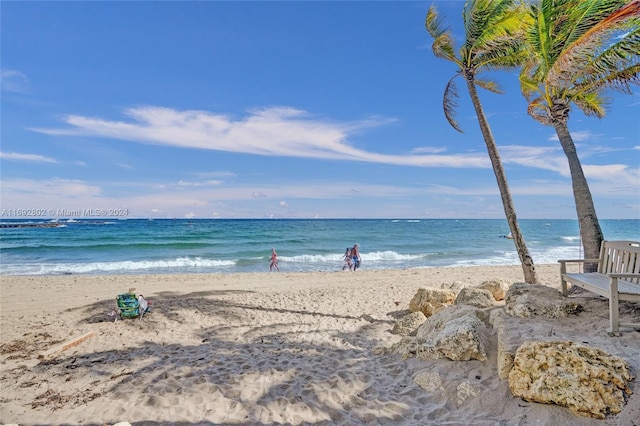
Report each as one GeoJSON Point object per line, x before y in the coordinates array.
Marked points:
{"type": "Point", "coordinates": [274, 260]}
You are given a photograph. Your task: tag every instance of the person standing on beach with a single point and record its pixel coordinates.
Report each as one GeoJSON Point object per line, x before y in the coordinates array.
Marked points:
{"type": "Point", "coordinates": [347, 259]}
{"type": "Point", "coordinates": [274, 260]}
{"type": "Point", "coordinates": [355, 256]}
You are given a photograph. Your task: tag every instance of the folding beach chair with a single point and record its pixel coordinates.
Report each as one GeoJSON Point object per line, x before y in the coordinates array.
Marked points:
{"type": "Point", "coordinates": [128, 305]}
{"type": "Point", "coordinates": [131, 306]}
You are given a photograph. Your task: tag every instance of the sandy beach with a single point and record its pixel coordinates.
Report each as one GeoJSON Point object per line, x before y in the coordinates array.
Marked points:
{"type": "Point", "coordinates": [261, 349]}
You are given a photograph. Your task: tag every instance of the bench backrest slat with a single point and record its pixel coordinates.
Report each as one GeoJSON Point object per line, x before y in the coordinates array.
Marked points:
{"type": "Point", "coordinates": [621, 257]}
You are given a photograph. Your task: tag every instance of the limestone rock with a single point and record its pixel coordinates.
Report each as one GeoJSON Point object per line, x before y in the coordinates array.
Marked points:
{"type": "Point", "coordinates": [455, 286]}
{"type": "Point", "coordinates": [408, 324]}
{"type": "Point", "coordinates": [431, 300]}
{"type": "Point", "coordinates": [478, 297]}
{"type": "Point", "coordinates": [495, 315]}
{"type": "Point", "coordinates": [498, 288]}
{"type": "Point", "coordinates": [455, 333]}
{"type": "Point", "coordinates": [466, 390]}
{"type": "Point", "coordinates": [507, 344]}
{"type": "Point", "coordinates": [588, 381]}
{"type": "Point", "coordinates": [407, 347]}
{"type": "Point", "coordinates": [428, 380]}
{"type": "Point", "coordinates": [529, 300]}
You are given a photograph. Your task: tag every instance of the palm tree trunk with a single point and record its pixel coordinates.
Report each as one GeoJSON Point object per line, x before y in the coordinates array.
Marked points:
{"type": "Point", "coordinates": [590, 231]}
{"type": "Point", "coordinates": [526, 261]}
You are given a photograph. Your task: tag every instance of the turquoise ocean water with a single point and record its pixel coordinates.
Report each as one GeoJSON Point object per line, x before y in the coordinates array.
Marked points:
{"type": "Point", "coordinates": [141, 246]}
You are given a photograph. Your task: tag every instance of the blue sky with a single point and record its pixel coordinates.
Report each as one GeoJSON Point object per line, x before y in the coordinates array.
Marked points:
{"type": "Point", "coordinates": [276, 109]}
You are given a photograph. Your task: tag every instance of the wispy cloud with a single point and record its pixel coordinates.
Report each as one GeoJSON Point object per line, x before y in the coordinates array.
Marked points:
{"type": "Point", "coordinates": [616, 173]}
{"type": "Point", "coordinates": [199, 183]}
{"type": "Point", "coordinates": [15, 156]}
{"type": "Point", "coordinates": [428, 150]}
{"type": "Point", "coordinates": [13, 81]}
{"type": "Point", "coordinates": [576, 136]}
{"type": "Point", "coordinates": [546, 158]}
{"type": "Point", "coordinates": [51, 189]}
{"type": "Point", "coordinates": [274, 131]}
{"type": "Point", "coordinates": [146, 200]}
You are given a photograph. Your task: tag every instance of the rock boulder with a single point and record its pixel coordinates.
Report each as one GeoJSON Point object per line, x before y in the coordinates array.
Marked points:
{"type": "Point", "coordinates": [588, 381]}
{"type": "Point", "coordinates": [431, 300]}
{"type": "Point", "coordinates": [478, 297]}
{"type": "Point", "coordinates": [455, 333]}
{"type": "Point", "coordinates": [529, 300]}
{"type": "Point", "coordinates": [498, 288]}
{"type": "Point", "coordinates": [409, 324]}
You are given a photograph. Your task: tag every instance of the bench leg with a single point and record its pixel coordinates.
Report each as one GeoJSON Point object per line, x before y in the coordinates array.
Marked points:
{"type": "Point", "coordinates": [563, 283]}
{"type": "Point", "coordinates": [614, 314]}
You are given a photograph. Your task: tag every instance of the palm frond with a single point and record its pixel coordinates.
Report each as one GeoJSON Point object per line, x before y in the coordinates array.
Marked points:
{"type": "Point", "coordinates": [619, 80]}
{"type": "Point", "coordinates": [591, 104]}
{"type": "Point", "coordinates": [616, 63]}
{"type": "Point", "coordinates": [528, 86]}
{"type": "Point", "coordinates": [584, 16]}
{"type": "Point", "coordinates": [495, 34]}
{"type": "Point", "coordinates": [504, 56]}
{"type": "Point", "coordinates": [482, 16]}
{"type": "Point", "coordinates": [576, 50]}
{"type": "Point", "coordinates": [450, 103]}
{"type": "Point", "coordinates": [539, 110]}
{"type": "Point", "coordinates": [489, 85]}
{"type": "Point", "coordinates": [443, 44]}
{"type": "Point", "coordinates": [577, 58]}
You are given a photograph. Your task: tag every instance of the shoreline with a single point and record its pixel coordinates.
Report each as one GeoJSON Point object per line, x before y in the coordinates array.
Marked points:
{"type": "Point", "coordinates": [104, 285]}
{"type": "Point", "coordinates": [254, 348]}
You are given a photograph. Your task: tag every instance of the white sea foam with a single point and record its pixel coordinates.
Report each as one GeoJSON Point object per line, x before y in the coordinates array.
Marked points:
{"type": "Point", "coordinates": [115, 267]}
{"type": "Point", "coordinates": [372, 256]}
{"type": "Point", "coordinates": [548, 256]}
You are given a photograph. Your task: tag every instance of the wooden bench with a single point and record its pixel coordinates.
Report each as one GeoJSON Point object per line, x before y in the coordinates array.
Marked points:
{"type": "Point", "coordinates": [617, 277]}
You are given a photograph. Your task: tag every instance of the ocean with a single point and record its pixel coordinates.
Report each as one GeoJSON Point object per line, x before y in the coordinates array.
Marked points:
{"type": "Point", "coordinates": [168, 246]}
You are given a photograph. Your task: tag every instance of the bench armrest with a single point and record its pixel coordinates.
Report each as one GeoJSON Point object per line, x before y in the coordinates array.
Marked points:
{"type": "Point", "coordinates": [563, 270]}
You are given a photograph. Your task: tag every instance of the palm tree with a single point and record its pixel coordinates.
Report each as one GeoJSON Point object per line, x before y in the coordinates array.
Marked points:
{"type": "Point", "coordinates": [493, 30]}
{"type": "Point", "coordinates": [576, 50]}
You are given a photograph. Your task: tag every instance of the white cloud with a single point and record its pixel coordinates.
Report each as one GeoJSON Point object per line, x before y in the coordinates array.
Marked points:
{"type": "Point", "coordinates": [546, 158]}
{"type": "Point", "coordinates": [576, 136]}
{"type": "Point", "coordinates": [13, 81]}
{"type": "Point", "coordinates": [50, 189]}
{"type": "Point", "coordinates": [146, 200]}
{"type": "Point", "coordinates": [275, 131]}
{"type": "Point", "coordinates": [199, 183]}
{"type": "Point", "coordinates": [428, 150]}
{"type": "Point", "coordinates": [617, 174]}
{"type": "Point", "coordinates": [15, 156]}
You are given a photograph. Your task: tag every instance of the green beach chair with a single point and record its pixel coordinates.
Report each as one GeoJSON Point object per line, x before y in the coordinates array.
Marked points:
{"type": "Point", "coordinates": [128, 305]}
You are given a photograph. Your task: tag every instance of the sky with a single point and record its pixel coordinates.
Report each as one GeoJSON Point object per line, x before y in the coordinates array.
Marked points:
{"type": "Point", "coordinates": [212, 109]}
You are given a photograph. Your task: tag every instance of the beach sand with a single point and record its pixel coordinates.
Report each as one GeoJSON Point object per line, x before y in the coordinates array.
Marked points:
{"type": "Point", "coordinates": [260, 349]}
